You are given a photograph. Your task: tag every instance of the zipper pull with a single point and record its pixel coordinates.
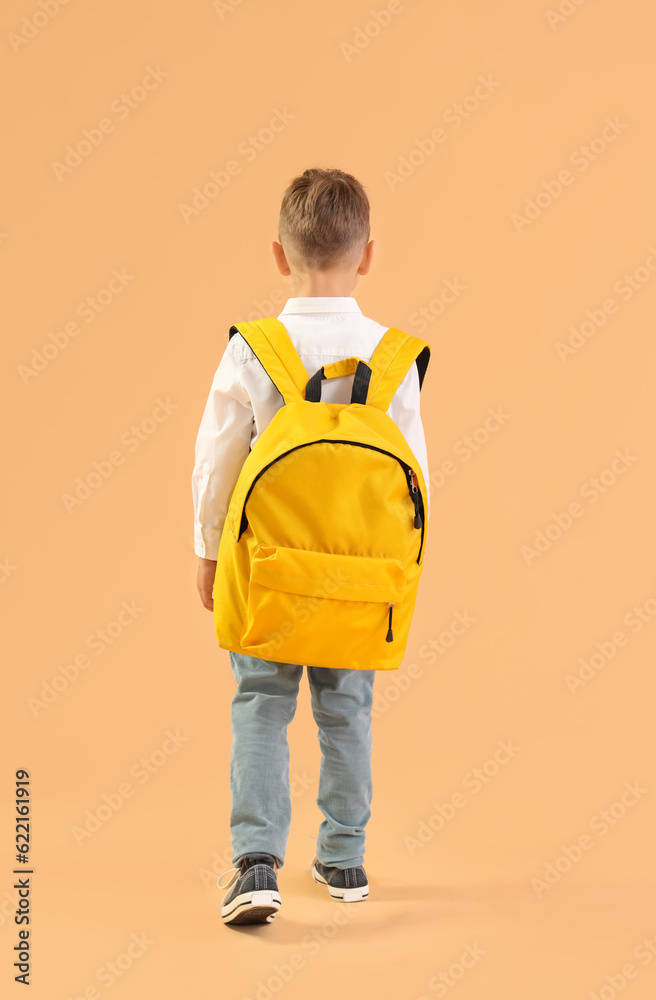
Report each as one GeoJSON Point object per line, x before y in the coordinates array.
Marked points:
{"type": "Point", "coordinates": [389, 636]}
{"type": "Point", "coordinates": [415, 497]}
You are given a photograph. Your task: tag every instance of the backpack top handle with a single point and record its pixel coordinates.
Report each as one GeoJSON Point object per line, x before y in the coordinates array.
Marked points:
{"type": "Point", "coordinates": [346, 366]}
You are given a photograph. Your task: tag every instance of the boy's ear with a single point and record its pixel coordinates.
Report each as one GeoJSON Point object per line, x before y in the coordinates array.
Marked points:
{"type": "Point", "coordinates": [280, 259]}
{"type": "Point", "coordinates": [365, 263]}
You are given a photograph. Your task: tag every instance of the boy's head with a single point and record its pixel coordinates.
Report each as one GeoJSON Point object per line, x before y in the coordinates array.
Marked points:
{"type": "Point", "coordinates": [324, 228]}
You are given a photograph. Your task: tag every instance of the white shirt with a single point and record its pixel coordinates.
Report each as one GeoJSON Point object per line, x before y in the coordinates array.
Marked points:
{"type": "Point", "coordinates": [243, 399]}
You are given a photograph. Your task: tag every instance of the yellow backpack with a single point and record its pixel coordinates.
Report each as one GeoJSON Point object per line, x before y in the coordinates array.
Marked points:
{"type": "Point", "coordinates": [323, 543]}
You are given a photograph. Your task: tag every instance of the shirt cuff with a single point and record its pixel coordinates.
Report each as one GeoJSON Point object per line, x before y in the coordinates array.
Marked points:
{"type": "Point", "coordinates": [206, 542]}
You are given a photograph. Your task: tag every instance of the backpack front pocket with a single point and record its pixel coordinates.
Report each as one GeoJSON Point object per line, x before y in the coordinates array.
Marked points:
{"type": "Point", "coordinates": [305, 606]}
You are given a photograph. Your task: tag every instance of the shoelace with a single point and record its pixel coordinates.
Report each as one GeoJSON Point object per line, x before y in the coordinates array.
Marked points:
{"type": "Point", "coordinates": [237, 873]}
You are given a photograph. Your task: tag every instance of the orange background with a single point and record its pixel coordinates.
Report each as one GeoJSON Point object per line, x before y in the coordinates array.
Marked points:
{"type": "Point", "coordinates": [151, 866]}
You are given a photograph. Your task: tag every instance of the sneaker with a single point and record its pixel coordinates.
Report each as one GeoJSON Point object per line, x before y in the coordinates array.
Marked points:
{"type": "Point", "coordinates": [254, 896]}
{"type": "Point", "coordinates": [348, 884]}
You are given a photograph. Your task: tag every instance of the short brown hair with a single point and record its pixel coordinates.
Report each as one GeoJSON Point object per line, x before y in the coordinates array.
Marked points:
{"type": "Point", "coordinates": [324, 219]}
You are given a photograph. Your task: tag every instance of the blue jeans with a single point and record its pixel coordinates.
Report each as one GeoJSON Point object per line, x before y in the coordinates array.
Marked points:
{"type": "Point", "coordinates": [263, 706]}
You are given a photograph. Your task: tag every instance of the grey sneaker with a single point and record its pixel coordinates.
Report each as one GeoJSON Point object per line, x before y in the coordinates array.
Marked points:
{"type": "Point", "coordinates": [254, 896]}
{"type": "Point", "coordinates": [348, 884]}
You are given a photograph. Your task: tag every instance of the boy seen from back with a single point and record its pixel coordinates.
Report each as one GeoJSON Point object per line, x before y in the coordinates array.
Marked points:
{"type": "Point", "coordinates": [323, 247]}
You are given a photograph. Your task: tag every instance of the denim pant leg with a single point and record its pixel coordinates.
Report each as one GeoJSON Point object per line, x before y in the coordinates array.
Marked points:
{"type": "Point", "coordinates": [262, 707]}
{"type": "Point", "coordinates": [341, 705]}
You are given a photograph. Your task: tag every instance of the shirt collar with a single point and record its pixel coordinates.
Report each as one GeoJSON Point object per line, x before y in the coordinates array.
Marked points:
{"type": "Point", "coordinates": [321, 304]}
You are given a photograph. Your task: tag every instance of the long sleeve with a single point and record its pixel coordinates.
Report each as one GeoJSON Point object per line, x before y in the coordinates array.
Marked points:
{"type": "Point", "coordinates": [404, 410]}
{"type": "Point", "coordinates": [222, 446]}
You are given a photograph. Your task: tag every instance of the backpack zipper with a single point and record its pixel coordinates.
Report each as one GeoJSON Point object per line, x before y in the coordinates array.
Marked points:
{"type": "Point", "coordinates": [414, 493]}
{"type": "Point", "coordinates": [390, 636]}
{"type": "Point", "coordinates": [411, 477]}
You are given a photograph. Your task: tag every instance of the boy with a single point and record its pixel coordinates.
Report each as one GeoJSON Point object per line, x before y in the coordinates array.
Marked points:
{"type": "Point", "coordinates": [323, 247]}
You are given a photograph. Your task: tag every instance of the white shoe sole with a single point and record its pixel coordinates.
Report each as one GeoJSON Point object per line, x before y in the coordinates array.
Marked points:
{"type": "Point", "coordinates": [353, 895]}
{"type": "Point", "coordinates": [258, 907]}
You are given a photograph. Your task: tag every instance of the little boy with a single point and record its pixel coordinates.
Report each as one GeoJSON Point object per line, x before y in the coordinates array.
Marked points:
{"type": "Point", "coordinates": [324, 246]}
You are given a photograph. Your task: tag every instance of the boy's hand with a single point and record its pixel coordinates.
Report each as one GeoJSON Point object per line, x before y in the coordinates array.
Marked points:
{"type": "Point", "coordinates": [206, 573]}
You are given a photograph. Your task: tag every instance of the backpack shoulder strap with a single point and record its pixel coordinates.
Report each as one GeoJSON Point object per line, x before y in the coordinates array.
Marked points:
{"type": "Point", "coordinates": [390, 363]}
{"type": "Point", "coordinates": [273, 347]}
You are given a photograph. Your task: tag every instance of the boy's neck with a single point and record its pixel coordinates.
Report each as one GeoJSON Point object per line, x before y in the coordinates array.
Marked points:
{"type": "Point", "coordinates": [322, 283]}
